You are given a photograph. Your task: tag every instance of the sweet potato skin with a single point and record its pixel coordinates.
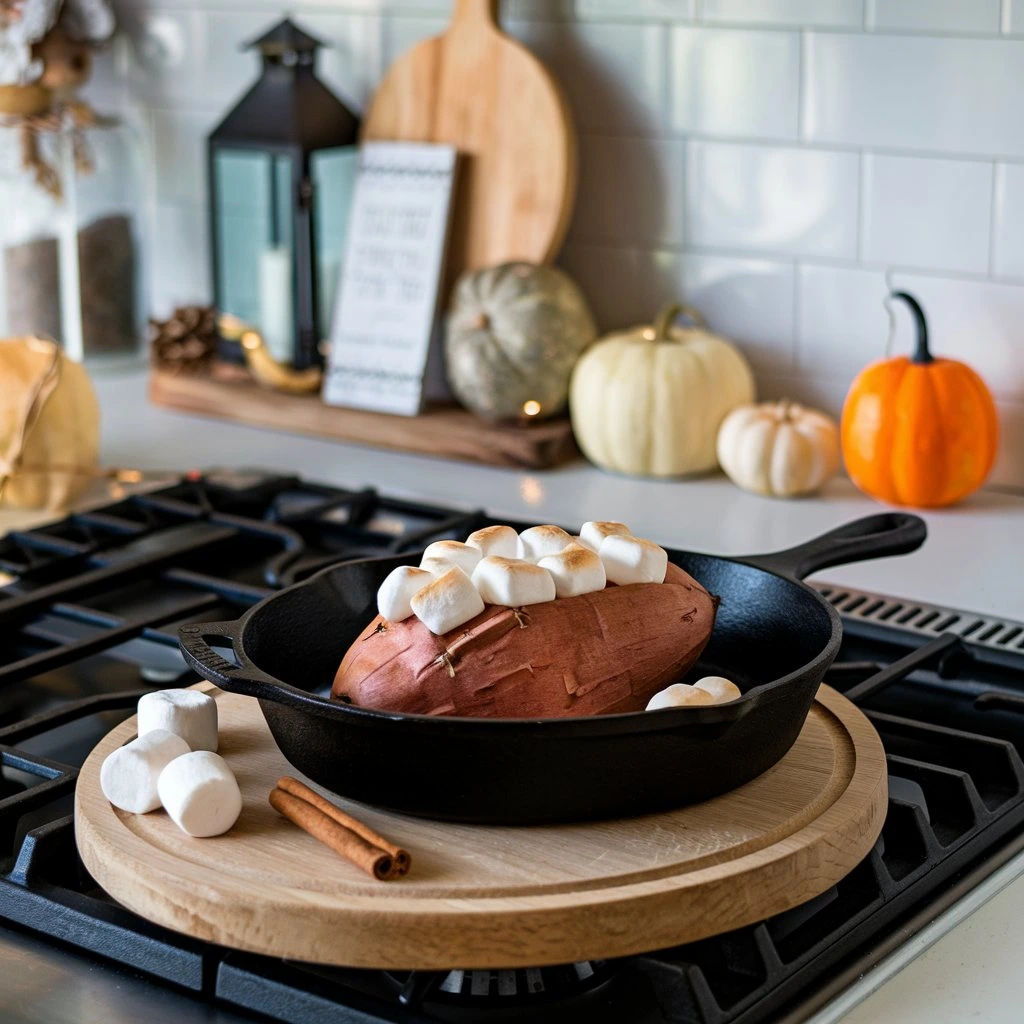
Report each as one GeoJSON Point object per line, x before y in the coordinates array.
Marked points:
{"type": "Point", "coordinates": [600, 653]}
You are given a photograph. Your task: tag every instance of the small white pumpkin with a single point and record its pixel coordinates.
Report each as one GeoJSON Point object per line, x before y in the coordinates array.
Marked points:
{"type": "Point", "coordinates": [779, 448]}
{"type": "Point", "coordinates": [649, 401]}
{"type": "Point", "coordinates": [512, 336]}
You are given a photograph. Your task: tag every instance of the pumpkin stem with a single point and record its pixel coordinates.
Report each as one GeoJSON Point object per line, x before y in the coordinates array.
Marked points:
{"type": "Point", "coordinates": [668, 316]}
{"type": "Point", "coordinates": [922, 354]}
{"type": "Point", "coordinates": [785, 409]}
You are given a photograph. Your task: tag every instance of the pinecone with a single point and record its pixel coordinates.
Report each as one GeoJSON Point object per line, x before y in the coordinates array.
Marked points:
{"type": "Point", "coordinates": [187, 342]}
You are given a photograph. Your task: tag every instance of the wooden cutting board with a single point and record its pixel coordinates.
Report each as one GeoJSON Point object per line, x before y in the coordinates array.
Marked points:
{"type": "Point", "coordinates": [481, 897]}
{"type": "Point", "coordinates": [480, 91]}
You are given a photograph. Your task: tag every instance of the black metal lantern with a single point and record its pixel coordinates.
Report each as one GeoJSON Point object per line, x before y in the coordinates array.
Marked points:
{"type": "Point", "coordinates": [282, 165]}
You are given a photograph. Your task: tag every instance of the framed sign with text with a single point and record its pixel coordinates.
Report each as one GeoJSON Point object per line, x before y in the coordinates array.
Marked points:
{"type": "Point", "coordinates": [387, 304]}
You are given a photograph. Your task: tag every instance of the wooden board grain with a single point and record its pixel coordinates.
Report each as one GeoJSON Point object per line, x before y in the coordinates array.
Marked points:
{"type": "Point", "coordinates": [484, 897]}
{"type": "Point", "coordinates": [487, 95]}
{"type": "Point", "coordinates": [446, 432]}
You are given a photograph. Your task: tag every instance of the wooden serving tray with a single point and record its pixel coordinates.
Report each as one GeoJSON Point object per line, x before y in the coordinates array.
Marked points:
{"type": "Point", "coordinates": [485, 897]}
{"type": "Point", "coordinates": [443, 431]}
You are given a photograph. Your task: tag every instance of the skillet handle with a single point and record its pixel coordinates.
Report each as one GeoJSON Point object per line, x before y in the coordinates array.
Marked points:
{"type": "Point", "coordinates": [204, 660]}
{"type": "Point", "coordinates": [888, 533]}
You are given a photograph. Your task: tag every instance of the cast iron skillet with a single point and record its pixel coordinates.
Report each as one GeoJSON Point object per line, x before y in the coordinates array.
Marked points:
{"type": "Point", "coordinates": [773, 635]}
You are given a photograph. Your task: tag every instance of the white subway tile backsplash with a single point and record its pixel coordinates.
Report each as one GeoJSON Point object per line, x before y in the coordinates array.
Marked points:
{"type": "Point", "coordinates": [914, 92]}
{"type": "Point", "coordinates": [728, 82]}
{"type": "Point", "coordinates": [610, 279]}
{"type": "Point", "coordinates": [832, 13]}
{"type": "Point", "coordinates": [901, 198]}
{"type": "Point", "coordinates": [1008, 221]}
{"type": "Point", "coordinates": [352, 62]}
{"type": "Point", "coordinates": [933, 15]}
{"type": "Point", "coordinates": [666, 10]}
{"type": "Point", "coordinates": [613, 74]}
{"type": "Point", "coordinates": [170, 54]}
{"type": "Point", "coordinates": [233, 69]}
{"type": "Point", "coordinates": [402, 33]}
{"type": "Point", "coordinates": [798, 201]}
{"type": "Point", "coordinates": [179, 272]}
{"type": "Point", "coordinates": [630, 191]}
{"type": "Point", "coordinates": [749, 301]}
{"type": "Point", "coordinates": [179, 145]}
{"type": "Point", "coordinates": [843, 324]}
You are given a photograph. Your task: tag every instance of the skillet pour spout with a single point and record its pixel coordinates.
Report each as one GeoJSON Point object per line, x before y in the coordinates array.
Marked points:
{"type": "Point", "coordinates": [774, 636]}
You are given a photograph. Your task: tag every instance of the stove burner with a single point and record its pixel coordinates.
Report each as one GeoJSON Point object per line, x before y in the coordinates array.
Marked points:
{"type": "Point", "coordinates": [88, 621]}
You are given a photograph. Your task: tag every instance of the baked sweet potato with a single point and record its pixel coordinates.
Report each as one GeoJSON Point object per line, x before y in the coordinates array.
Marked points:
{"type": "Point", "coordinates": [598, 653]}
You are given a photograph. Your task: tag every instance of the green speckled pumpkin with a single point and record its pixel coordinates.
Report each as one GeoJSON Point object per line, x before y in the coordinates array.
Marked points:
{"type": "Point", "coordinates": [514, 333]}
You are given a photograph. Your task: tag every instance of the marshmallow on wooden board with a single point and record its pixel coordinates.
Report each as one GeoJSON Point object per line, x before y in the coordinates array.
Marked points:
{"type": "Point", "coordinates": [187, 713]}
{"type": "Point", "coordinates": [721, 689]}
{"type": "Point", "coordinates": [200, 793]}
{"type": "Point", "coordinates": [592, 534]}
{"type": "Point", "coordinates": [501, 541]}
{"type": "Point", "coordinates": [538, 541]}
{"type": "Point", "coordinates": [447, 602]}
{"type": "Point", "coordinates": [512, 582]}
{"type": "Point", "coordinates": [632, 560]}
{"type": "Point", "coordinates": [575, 570]}
{"type": "Point", "coordinates": [128, 775]}
{"type": "Point", "coordinates": [679, 695]}
{"type": "Point", "coordinates": [465, 556]}
{"type": "Point", "coordinates": [394, 598]}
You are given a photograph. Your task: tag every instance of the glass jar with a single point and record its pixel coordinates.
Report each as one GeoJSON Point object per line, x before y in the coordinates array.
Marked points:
{"type": "Point", "coordinates": [73, 201]}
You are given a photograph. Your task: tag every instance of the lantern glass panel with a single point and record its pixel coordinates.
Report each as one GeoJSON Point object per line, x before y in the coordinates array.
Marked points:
{"type": "Point", "coordinates": [333, 173]}
{"type": "Point", "coordinates": [255, 203]}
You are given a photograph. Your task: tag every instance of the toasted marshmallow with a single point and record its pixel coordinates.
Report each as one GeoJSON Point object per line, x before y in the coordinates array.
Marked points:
{"type": "Point", "coordinates": [447, 602]}
{"type": "Point", "coordinates": [436, 566]}
{"type": "Point", "coordinates": [512, 582]}
{"type": "Point", "coordinates": [501, 541]}
{"type": "Point", "coordinates": [465, 556]}
{"type": "Point", "coordinates": [592, 535]}
{"type": "Point", "coordinates": [632, 560]}
{"type": "Point", "coordinates": [200, 793]}
{"type": "Point", "coordinates": [394, 599]}
{"type": "Point", "coordinates": [538, 541]}
{"type": "Point", "coordinates": [575, 570]}
{"type": "Point", "coordinates": [722, 690]}
{"type": "Point", "coordinates": [129, 775]}
{"type": "Point", "coordinates": [679, 695]}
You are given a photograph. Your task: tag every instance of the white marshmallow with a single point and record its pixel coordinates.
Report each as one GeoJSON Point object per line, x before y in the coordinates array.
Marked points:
{"type": "Point", "coordinates": [394, 598]}
{"type": "Point", "coordinates": [632, 560]}
{"type": "Point", "coordinates": [512, 582]}
{"type": "Point", "coordinates": [592, 535]}
{"type": "Point", "coordinates": [722, 690]}
{"type": "Point", "coordinates": [187, 713]}
{"type": "Point", "coordinates": [200, 794]}
{"type": "Point", "coordinates": [501, 541]}
{"type": "Point", "coordinates": [575, 570]}
{"type": "Point", "coordinates": [447, 602]}
{"type": "Point", "coordinates": [538, 541]}
{"type": "Point", "coordinates": [465, 556]}
{"type": "Point", "coordinates": [128, 775]}
{"type": "Point", "coordinates": [679, 695]}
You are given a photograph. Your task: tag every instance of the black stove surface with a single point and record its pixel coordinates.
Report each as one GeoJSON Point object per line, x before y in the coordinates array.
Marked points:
{"type": "Point", "coordinates": [89, 618]}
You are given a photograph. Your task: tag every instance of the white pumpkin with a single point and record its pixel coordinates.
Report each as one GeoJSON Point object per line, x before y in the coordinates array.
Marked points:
{"type": "Point", "coordinates": [649, 401]}
{"type": "Point", "coordinates": [778, 448]}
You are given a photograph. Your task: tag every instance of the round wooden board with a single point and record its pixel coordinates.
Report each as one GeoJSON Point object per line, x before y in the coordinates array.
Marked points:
{"type": "Point", "coordinates": [483, 896]}
{"type": "Point", "coordinates": [482, 92]}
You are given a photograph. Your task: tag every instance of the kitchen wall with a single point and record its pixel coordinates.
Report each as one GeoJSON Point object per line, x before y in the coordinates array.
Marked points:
{"type": "Point", "coordinates": [768, 160]}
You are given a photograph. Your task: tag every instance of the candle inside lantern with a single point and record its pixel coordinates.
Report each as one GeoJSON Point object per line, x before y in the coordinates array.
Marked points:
{"type": "Point", "coordinates": [276, 315]}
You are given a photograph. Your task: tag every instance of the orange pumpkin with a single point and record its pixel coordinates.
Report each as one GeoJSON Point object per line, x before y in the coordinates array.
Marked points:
{"type": "Point", "coordinates": [919, 431]}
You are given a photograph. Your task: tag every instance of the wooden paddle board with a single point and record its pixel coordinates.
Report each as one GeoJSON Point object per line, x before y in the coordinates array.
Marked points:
{"type": "Point", "coordinates": [484, 897]}
{"type": "Point", "coordinates": [482, 92]}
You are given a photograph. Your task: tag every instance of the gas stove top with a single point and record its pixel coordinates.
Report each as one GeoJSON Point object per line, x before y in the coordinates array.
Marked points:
{"type": "Point", "coordinates": [89, 616]}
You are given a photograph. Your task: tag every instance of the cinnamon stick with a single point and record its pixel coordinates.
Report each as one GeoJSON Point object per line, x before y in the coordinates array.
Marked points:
{"type": "Point", "coordinates": [354, 848]}
{"type": "Point", "coordinates": [401, 858]}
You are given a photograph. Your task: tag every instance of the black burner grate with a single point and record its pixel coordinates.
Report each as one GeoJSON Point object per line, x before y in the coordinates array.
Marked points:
{"type": "Point", "coordinates": [89, 624]}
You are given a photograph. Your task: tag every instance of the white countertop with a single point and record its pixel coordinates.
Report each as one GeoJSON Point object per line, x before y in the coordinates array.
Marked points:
{"type": "Point", "coordinates": [974, 559]}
